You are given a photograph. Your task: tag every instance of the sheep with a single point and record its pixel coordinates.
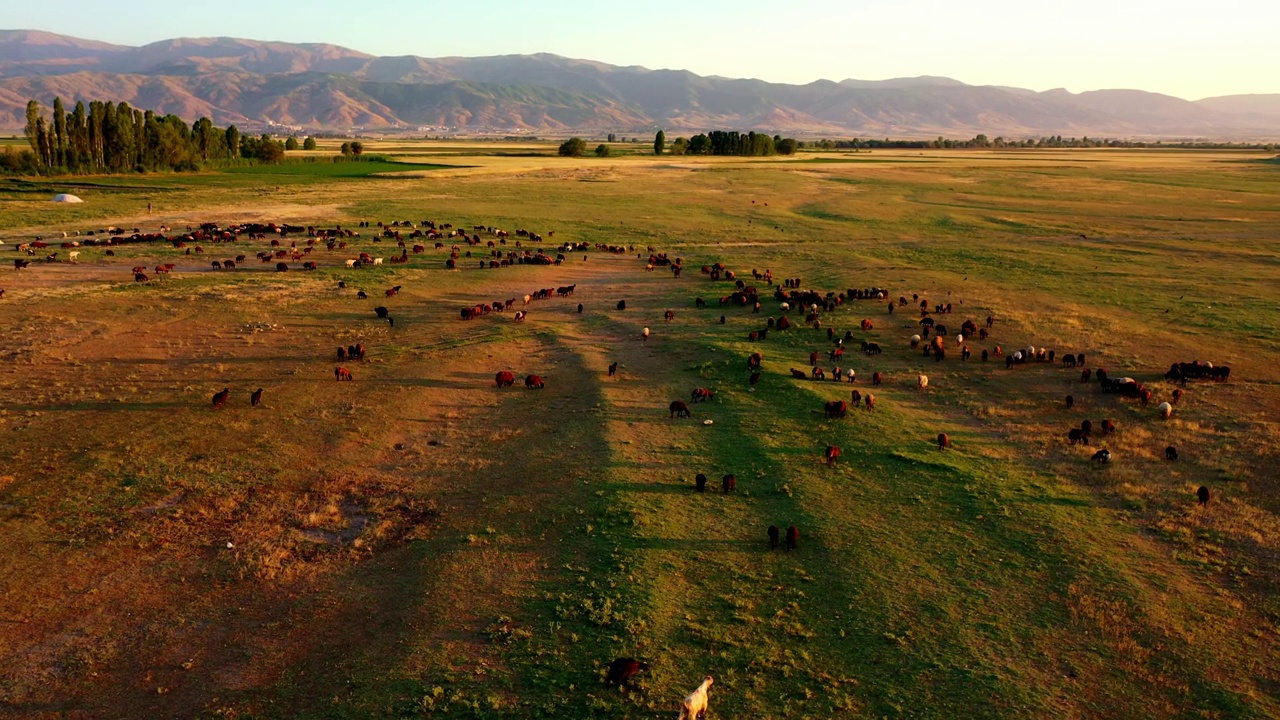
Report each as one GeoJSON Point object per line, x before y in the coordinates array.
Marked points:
{"type": "Point", "coordinates": [915, 341]}
{"type": "Point", "coordinates": [1203, 494]}
{"type": "Point", "coordinates": [377, 261]}
{"type": "Point", "coordinates": [695, 706]}
{"type": "Point", "coordinates": [922, 382]}
{"type": "Point", "coordinates": [1165, 410]}
{"type": "Point", "coordinates": [793, 537]}
{"type": "Point", "coordinates": [646, 333]}
{"type": "Point", "coordinates": [728, 483]}
{"type": "Point", "coordinates": [622, 669]}
{"type": "Point", "coordinates": [1108, 427]}
{"type": "Point", "coordinates": [1102, 456]}
{"type": "Point", "coordinates": [701, 481]}
{"type": "Point", "coordinates": [773, 537]}
{"type": "Point", "coordinates": [1070, 401]}
{"type": "Point", "coordinates": [1171, 453]}
{"type": "Point", "coordinates": [944, 442]}
{"type": "Point", "coordinates": [73, 256]}
{"type": "Point", "coordinates": [256, 398]}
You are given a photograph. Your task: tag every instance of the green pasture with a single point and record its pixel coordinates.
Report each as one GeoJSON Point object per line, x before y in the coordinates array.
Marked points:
{"type": "Point", "coordinates": [507, 544]}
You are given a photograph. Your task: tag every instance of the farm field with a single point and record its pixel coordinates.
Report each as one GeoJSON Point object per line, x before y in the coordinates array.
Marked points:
{"type": "Point", "coordinates": [420, 543]}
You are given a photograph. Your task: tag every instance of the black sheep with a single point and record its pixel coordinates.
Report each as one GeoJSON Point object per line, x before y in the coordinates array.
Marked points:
{"type": "Point", "coordinates": [793, 537]}
{"type": "Point", "coordinates": [1203, 495]}
{"type": "Point", "coordinates": [702, 482]}
{"type": "Point", "coordinates": [1171, 453]}
{"type": "Point", "coordinates": [773, 537]}
{"type": "Point", "coordinates": [622, 670]}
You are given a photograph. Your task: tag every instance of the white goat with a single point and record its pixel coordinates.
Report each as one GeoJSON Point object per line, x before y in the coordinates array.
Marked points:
{"type": "Point", "coordinates": [694, 706]}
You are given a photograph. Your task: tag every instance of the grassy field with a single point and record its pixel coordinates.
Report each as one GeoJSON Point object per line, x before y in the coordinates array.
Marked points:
{"type": "Point", "coordinates": [419, 543]}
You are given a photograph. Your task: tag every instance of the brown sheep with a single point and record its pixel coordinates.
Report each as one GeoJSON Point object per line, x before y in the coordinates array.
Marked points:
{"type": "Point", "coordinates": [944, 442]}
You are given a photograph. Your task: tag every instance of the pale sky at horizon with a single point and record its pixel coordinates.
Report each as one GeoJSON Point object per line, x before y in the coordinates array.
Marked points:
{"type": "Point", "coordinates": [1182, 48]}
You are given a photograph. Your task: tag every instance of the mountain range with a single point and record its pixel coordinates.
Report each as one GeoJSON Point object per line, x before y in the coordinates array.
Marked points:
{"type": "Point", "coordinates": [319, 87]}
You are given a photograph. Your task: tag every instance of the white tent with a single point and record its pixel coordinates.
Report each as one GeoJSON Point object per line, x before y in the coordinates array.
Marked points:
{"type": "Point", "coordinates": [64, 197]}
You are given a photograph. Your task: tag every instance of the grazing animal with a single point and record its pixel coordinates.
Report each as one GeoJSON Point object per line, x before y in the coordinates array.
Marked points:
{"type": "Point", "coordinates": [1084, 375]}
{"type": "Point", "coordinates": [837, 408]}
{"type": "Point", "coordinates": [342, 353]}
{"type": "Point", "coordinates": [1177, 393]}
{"type": "Point", "coordinates": [695, 706]}
{"type": "Point", "coordinates": [870, 401]}
{"type": "Point", "coordinates": [646, 333]}
{"type": "Point", "coordinates": [1070, 401]}
{"type": "Point", "coordinates": [700, 394]}
{"type": "Point", "coordinates": [341, 374]}
{"type": "Point", "coordinates": [875, 378]}
{"type": "Point", "coordinates": [220, 398]}
{"type": "Point", "coordinates": [504, 379]}
{"type": "Point", "coordinates": [679, 409]}
{"type": "Point", "coordinates": [832, 454]}
{"type": "Point", "coordinates": [533, 382]}
{"type": "Point", "coordinates": [701, 481]}
{"type": "Point", "coordinates": [755, 378]}
{"type": "Point", "coordinates": [622, 304]}
{"type": "Point", "coordinates": [1108, 427]}
{"type": "Point", "coordinates": [728, 483]}
{"type": "Point", "coordinates": [754, 360]}
{"type": "Point", "coordinates": [256, 398]}
{"type": "Point", "coordinates": [1166, 410]}
{"type": "Point", "coordinates": [1078, 436]}
{"type": "Point", "coordinates": [774, 533]}
{"type": "Point", "coordinates": [623, 669]}
{"type": "Point", "coordinates": [613, 369]}
{"type": "Point", "coordinates": [922, 382]}
{"type": "Point", "coordinates": [793, 537]}
{"type": "Point", "coordinates": [669, 316]}
{"type": "Point", "coordinates": [1102, 456]}
{"type": "Point", "coordinates": [944, 442]}
{"type": "Point", "coordinates": [381, 312]}
{"type": "Point", "coordinates": [1171, 453]}
{"type": "Point", "coordinates": [799, 374]}
{"type": "Point", "coordinates": [1203, 494]}
{"type": "Point", "coordinates": [985, 355]}
{"type": "Point", "coordinates": [1086, 427]}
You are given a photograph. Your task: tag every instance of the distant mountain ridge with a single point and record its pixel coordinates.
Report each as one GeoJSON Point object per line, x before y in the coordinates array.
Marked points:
{"type": "Point", "coordinates": [320, 86]}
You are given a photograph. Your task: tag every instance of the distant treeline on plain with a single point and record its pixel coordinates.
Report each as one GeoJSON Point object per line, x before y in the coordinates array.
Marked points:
{"type": "Point", "coordinates": [114, 138]}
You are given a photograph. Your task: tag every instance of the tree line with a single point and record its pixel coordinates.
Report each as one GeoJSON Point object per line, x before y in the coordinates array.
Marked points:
{"type": "Point", "coordinates": [732, 142]}
{"type": "Point", "coordinates": [106, 137]}
{"type": "Point", "coordinates": [1053, 141]}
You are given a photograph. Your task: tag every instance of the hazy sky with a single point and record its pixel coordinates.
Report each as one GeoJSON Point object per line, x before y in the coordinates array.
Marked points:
{"type": "Point", "coordinates": [1183, 48]}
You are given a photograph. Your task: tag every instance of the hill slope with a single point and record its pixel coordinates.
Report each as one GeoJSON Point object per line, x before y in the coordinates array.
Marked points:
{"type": "Point", "coordinates": [325, 86]}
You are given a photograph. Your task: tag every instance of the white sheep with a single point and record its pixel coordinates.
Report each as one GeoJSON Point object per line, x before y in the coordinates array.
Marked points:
{"type": "Point", "coordinates": [527, 299]}
{"type": "Point", "coordinates": [1166, 410]}
{"type": "Point", "coordinates": [1017, 357]}
{"type": "Point", "coordinates": [377, 261]}
{"type": "Point", "coordinates": [351, 263]}
{"type": "Point", "coordinates": [786, 307]}
{"type": "Point", "coordinates": [646, 333]}
{"type": "Point", "coordinates": [915, 341]}
{"type": "Point", "coordinates": [72, 256]}
{"type": "Point", "coordinates": [694, 706]}
{"type": "Point", "coordinates": [1031, 351]}
{"type": "Point", "coordinates": [922, 382]}
{"type": "Point", "coordinates": [959, 339]}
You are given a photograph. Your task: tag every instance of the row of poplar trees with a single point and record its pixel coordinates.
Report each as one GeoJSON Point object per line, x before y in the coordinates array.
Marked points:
{"type": "Point", "coordinates": [108, 138]}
